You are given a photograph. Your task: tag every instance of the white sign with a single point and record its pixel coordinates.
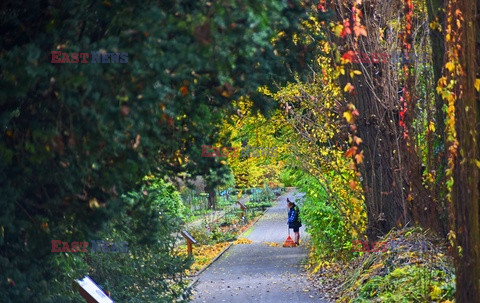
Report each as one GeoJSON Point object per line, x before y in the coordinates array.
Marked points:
{"type": "Point", "coordinates": [93, 290]}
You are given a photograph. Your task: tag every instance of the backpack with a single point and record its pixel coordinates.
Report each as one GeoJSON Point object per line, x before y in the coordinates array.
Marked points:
{"type": "Point", "coordinates": [297, 212]}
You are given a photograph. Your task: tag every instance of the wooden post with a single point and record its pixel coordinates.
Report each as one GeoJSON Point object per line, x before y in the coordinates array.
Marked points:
{"type": "Point", "coordinates": [243, 207]}
{"type": "Point", "coordinates": [190, 240]}
{"type": "Point", "coordinates": [91, 292]}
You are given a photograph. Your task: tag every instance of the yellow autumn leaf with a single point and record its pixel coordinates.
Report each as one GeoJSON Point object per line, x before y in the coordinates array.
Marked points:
{"type": "Point", "coordinates": [348, 88]}
{"type": "Point", "coordinates": [93, 203]}
{"type": "Point", "coordinates": [355, 72]}
{"type": "Point", "coordinates": [243, 241]}
{"type": "Point", "coordinates": [477, 85]}
{"type": "Point", "coordinates": [478, 163]}
{"type": "Point", "coordinates": [348, 116]}
{"type": "Point", "coordinates": [435, 293]}
{"type": "Point", "coordinates": [431, 126]}
{"type": "Point", "coordinates": [439, 89]}
{"type": "Point", "coordinates": [450, 66]}
{"type": "Point", "coordinates": [272, 244]}
{"type": "Point", "coordinates": [337, 30]}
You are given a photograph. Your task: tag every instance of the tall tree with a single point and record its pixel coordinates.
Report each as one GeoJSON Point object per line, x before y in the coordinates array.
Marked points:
{"type": "Point", "coordinates": [437, 152]}
{"type": "Point", "coordinates": [376, 98]}
{"type": "Point", "coordinates": [462, 28]}
{"type": "Point", "coordinates": [386, 102]}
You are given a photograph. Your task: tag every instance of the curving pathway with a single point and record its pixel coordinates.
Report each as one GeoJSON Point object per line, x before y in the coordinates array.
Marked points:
{"type": "Point", "coordinates": [259, 272]}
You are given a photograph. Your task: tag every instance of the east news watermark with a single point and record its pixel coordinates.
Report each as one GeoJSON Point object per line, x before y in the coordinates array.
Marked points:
{"type": "Point", "coordinates": [92, 57]}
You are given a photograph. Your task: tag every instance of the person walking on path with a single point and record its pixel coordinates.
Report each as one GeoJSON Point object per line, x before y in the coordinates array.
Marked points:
{"type": "Point", "coordinates": [294, 220]}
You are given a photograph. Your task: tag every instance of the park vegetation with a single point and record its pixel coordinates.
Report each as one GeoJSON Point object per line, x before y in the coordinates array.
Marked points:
{"type": "Point", "coordinates": [382, 149]}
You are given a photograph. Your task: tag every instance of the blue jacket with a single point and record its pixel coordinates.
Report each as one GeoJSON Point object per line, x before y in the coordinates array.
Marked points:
{"type": "Point", "coordinates": [293, 217]}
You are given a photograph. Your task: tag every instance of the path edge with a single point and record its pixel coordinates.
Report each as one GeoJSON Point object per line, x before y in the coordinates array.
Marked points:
{"type": "Point", "coordinates": [196, 276]}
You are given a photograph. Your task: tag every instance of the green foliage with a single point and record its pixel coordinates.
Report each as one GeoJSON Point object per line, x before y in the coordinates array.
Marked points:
{"type": "Point", "coordinates": [329, 233]}
{"type": "Point", "coordinates": [223, 201]}
{"type": "Point", "coordinates": [254, 205]}
{"type": "Point", "coordinates": [217, 235]}
{"type": "Point", "coordinates": [288, 177]}
{"type": "Point", "coordinates": [150, 272]}
{"type": "Point", "coordinates": [259, 144]}
{"type": "Point", "coordinates": [76, 137]}
{"type": "Point", "coordinates": [201, 235]}
{"type": "Point", "coordinates": [212, 235]}
{"type": "Point", "coordinates": [409, 284]}
{"type": "Point", "coordinates": [164, 195]}
{"type": "Point", "coordinates": [412, 268]}
{"type": "Point", "coordinates": [260, 198]}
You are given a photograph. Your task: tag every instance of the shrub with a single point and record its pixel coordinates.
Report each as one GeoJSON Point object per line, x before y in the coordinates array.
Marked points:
{"type": "Point", "coordinates": [150, 271]}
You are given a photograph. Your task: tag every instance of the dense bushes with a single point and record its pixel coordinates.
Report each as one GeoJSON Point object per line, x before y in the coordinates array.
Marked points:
{"type": "Point", "coordinates": [329, 233]}
{"type": "Point", "coordinates": [150, 271]}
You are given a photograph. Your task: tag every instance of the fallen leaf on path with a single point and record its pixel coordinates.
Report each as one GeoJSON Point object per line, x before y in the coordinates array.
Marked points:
{"type": "Point", "coordinates": [272, 244]}
{"type": "Point", "coordinates": [242, 241]}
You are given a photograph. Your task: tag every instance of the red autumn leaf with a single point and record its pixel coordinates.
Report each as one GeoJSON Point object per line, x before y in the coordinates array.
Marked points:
{"type": "Point", "coordinates": [359, 158]}
{"type": "Point", "coordinates": [183, 90]}
{"type": "Point", "coordinates": [349, 55]}
{"type": "Point", "coordinates": [346, 28]}
{"type": "Point", "coordinates": [352, 184]}
{"type": "Point", "coordinates": [351, 151]}
{"type": "Point", "coordinates": [360, 30]}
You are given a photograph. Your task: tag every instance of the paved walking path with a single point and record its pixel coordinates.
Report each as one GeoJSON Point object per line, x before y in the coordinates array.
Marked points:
{"type": "Point", "coordinates": [258, 272]}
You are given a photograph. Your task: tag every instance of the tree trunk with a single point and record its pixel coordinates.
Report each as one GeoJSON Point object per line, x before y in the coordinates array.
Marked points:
{"type": "Point", "coordinates": [419, 200]}
{"type": "Point", "coordinates": [437, 160]}
{"type": "Point", "coordinates": [212, 197]}
{"type": "Point", "coordinates": [466, 174]}
{"type": "Point", "coordinates": [381, 170]}
{"type": "Point", "coordinates": [392, 169]}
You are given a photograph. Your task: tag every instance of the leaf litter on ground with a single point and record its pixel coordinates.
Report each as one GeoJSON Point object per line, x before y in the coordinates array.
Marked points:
{"type": "Point", "coordinates": [415, 267]}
